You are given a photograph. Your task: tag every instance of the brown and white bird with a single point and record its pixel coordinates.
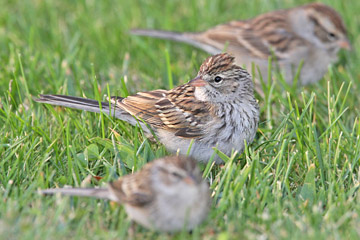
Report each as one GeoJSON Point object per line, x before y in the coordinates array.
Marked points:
{"type": "Point", "coordinates": [313, 33]}
{"type": "Point", "coordinates": [167, 195]}
{"type": "Point", "coordinates": [215, 109]}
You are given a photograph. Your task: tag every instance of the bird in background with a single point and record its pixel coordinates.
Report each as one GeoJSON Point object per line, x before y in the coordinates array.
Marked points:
{"type": "Point", "coordinates": [312, 34]}
{"type": "Point", "coordinates": [167, 194]}
{"type": "Point", "coordinates": [217, 109]}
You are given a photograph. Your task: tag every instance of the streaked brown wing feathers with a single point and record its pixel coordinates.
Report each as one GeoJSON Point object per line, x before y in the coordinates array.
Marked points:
{"type": "Point", "coordinates": [176, 110]}
{"type": "Point", "coordinates": [256, 37]}
{"type": "Point", "coordinates": [183, 113]}
{"type": "Point", "coordinates": [133, 190]}
{"type": "Point", "coordinates": [238, 37]}
{"type": "Point", "coordinates": [142, 105]}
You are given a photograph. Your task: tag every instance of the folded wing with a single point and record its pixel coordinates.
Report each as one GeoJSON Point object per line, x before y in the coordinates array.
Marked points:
{"type": "Point", "coordinates": [176, 110]}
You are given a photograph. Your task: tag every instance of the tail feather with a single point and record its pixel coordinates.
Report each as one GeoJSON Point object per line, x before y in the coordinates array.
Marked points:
{"type": "Point", "coordinates": [89, 105]}
{"type": "Point", "coordinates": [74, 102]}
{"type": "Point", "coordinates": [188, 38]}
{"type": "Point", "coordinates": [101, 193]}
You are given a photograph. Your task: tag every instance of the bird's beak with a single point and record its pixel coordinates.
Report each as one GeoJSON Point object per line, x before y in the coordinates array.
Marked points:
{"type": "Point", "coordinates": [345, 44]}
{"type": "Point", "coordinates": [197, 82]}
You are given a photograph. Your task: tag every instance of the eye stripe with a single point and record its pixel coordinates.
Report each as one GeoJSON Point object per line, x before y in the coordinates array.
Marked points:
{"type": "Point", "coordinates": [177, 175]}
{"type": "Point", "coordinates": [320, 31]}
{"type": "Point", "coordinates": [331, 13]}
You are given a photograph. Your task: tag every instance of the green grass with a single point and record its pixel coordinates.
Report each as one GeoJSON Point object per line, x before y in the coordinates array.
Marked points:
{"type": "Point", "coordinates": [298, 179]}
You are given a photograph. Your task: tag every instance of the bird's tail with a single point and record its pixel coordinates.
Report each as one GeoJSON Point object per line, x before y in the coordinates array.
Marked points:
{"type": "Point", "coordinates": [88, 105]}
{"type": "Point", "coordinates": [74, 102]}
{"type": "Point", "coordinates": [102, 193]}
{"type": "Point", "coordinates": [189, 38]}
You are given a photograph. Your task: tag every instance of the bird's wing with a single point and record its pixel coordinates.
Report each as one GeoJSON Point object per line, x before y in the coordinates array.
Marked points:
{"type": "Point", "coordinates": [133, 189]}
{"type": "Point", "coordinates": [142, 105]}
{"type": "Point", "coordinates": [181, 112]}
{"type": "Point", "coordinates": [235, 37]}
{"type": "Point", "coordinates": [261, 37]}
{"type": "Point", "coordinates": [176, 110]}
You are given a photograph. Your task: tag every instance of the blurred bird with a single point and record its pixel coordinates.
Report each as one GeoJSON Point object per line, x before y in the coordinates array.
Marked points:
{"type": "Point", "coordinates": [312, 33]}
{"type": "Point", "coordinates": [167, 195]}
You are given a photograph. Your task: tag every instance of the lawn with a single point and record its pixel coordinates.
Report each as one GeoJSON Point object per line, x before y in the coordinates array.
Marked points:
{"type": "Point", "coordinates": [299, 179]}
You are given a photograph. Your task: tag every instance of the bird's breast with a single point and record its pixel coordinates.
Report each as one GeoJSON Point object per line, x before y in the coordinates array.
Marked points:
{"type": "Point", "coordinates": [235, 122]}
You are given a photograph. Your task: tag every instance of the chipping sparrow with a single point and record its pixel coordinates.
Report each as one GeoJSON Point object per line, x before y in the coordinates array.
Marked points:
{"type": "Point", "coordinates": [312, 33]}
{"type": "Point", "coordinates": [215, 109]}
{"type": "Point", "coordinates": [168, 194]}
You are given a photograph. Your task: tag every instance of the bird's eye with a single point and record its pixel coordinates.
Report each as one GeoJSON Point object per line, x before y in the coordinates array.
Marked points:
{"type": "Point", "coordinates": [331, 36]}
{"type": "Point", "coordinates": [177, 175]}
{"type": "Point", "coordinates": [218, 79]}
